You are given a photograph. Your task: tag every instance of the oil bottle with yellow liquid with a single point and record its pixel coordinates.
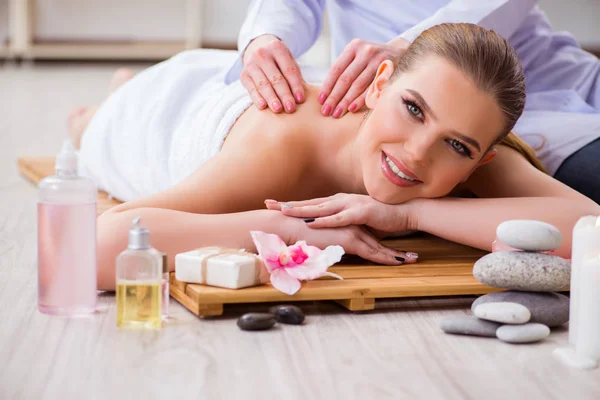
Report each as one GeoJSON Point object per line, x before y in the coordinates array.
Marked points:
{"type": "Point", "coordinates": [139, 279]}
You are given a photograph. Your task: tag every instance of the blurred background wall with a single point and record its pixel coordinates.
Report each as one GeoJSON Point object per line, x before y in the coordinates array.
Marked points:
{"type": "Point", "coordinates": [166, 24]}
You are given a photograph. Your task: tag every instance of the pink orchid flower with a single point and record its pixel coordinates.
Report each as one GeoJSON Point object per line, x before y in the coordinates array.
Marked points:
{"type": "Point", "coordinates": [288, 265]}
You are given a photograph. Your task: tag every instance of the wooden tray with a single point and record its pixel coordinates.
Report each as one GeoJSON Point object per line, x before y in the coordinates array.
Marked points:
{"type": "Point", "coordinates": [444, 268]}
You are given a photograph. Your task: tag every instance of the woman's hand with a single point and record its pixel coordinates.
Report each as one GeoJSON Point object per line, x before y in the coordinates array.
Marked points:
{"type": "Point", "coordinates": [271, 75]}
{"type": "Point", "coordinates": [349, 209]}
{"type": "Point", "coordinates": [354, 239]}
{"type": "Point", "coordinates": [346, 84]}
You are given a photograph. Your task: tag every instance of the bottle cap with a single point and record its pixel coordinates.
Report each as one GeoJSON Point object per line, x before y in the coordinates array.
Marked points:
{"type": "Point", "coordinates": [66, 159]}
{"type": "Point", "coordinates": [139, 237]}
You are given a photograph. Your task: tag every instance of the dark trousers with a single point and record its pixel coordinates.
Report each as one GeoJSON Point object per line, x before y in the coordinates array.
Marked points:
{"type": "Point", "coordinates": [581, 171]}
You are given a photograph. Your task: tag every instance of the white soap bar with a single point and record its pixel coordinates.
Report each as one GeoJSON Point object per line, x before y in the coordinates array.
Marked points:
{"type": "Point", "coordinates": [232, 271]}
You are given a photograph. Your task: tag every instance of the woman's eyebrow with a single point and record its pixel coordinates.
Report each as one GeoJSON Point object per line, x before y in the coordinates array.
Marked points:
{"type": "Point", "coordinates": [424, 104]}
{"type": "Point", "coordinates": [467, 139]}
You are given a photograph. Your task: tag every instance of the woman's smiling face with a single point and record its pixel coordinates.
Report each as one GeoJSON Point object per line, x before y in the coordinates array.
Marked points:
{"type": "Point", "coordinates": [428, 130]}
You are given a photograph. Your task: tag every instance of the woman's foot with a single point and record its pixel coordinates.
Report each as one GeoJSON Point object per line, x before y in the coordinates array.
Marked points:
{"type": "Point", "coordinates": [77, 122]}
{"type": "Point", "coordinates": [120, 76]}
{"type": "Point", "coordinates": [80, 117]}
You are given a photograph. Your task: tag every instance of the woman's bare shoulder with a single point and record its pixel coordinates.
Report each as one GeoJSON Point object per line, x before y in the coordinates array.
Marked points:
{"type": "Point", "coordinates": [509, 174]}
{"type": "Point", "coordinates": [280, 131]}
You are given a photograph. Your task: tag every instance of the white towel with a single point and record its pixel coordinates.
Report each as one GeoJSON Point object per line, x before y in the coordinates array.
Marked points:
{"type": "Point", "coordinates": [161, 125]}
{"type": "Point", "coordinates": [164, 123]}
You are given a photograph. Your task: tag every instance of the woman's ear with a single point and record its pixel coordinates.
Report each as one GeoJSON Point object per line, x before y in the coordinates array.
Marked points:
{"type": "Point", "coordinates": [383, 75]}
{"type": "Point", "coordinates": [489, 156]}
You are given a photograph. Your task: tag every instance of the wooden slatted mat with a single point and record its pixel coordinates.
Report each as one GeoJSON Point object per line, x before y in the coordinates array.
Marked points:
{"type": "Point", "coordinates": [444, 268]}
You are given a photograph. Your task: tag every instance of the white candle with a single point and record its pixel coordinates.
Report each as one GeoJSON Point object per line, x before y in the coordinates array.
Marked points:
{"type": "Point", "coordinates": [586, 240]}
{"type": "Point", "coordinates": [587, 342]}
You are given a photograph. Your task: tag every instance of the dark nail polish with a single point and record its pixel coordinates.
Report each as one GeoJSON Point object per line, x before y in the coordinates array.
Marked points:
{"type": "Point", "coordinates": [307, 220]}
{"type": "Point", "coordinates": [399, 259]}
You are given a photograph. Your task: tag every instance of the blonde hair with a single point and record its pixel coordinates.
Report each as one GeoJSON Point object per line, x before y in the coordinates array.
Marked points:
{"type": "Point", "coordinates": [516, 143]}
{"type": "Point", "coordinates": [489, 61]}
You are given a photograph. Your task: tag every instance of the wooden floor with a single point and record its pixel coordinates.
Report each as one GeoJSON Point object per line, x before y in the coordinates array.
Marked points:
{"type": "Point", "coordinates": [396, 351]}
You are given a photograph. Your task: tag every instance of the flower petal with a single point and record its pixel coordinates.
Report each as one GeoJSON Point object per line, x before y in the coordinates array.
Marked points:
{"type": "Point", "coordinates": [315, 267]}
{"type": "Point", "coordinates": [311, 251]}
{"type": "Point", "coordinates": [283, 282]}
{"type": "Point", "coordinates": [332, 254]}
{"type": "Point", "coordinates": [268, 246]}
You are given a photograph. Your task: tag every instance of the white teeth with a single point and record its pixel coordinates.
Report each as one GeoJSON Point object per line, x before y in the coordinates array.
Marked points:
{"type": "Point", "coordinates": [397, 171]}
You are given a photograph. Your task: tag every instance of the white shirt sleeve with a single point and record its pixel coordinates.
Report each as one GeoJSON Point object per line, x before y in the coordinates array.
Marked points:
{"type": "Point", "coordinates": [297, 23]}
{"type": "Point", "coordinates": [502, 16]}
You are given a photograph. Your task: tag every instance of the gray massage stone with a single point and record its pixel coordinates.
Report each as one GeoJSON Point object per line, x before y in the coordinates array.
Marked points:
{"type": "Point", "coordinates": [526, 333]}
{"type": "Point", "coordinates": [469, 326]}
{"type": "Point", "coordinates": [550, 309]}
{"type": "Point", "coordinates": [287, 314]}
{"type": "Point", "coordinates": [505, 312]}
{"type": "Point", "coordinates": [256, 321]}
{"type": "Point", "coordinates": [519, 270]}
{"type": "Point", "coordinates": [529, 235]}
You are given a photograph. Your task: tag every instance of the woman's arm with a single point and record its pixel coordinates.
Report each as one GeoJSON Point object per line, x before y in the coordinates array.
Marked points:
{"type": "Point", "coordinates": [508, 188]}
{"type": "Point", "coordinates": [175, 232]}
{"type": "Point", "coordinates": [199, 210]}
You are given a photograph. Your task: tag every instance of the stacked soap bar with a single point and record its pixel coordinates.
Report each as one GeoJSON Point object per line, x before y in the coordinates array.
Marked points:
{"type": "Point", "coordinates": [215, 266]}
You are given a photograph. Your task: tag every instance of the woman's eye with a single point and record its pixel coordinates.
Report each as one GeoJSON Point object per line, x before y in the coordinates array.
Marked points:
{"type": "Point", "coordinates": [460, 148]}
{"type": "Point", "coordinates": [414, 109]}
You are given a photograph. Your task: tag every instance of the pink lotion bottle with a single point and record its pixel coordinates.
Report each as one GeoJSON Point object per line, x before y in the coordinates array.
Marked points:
{"type": "Point", "coordinates": [67, 239]}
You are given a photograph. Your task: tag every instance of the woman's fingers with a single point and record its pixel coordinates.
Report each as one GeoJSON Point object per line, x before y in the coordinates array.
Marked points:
{"type": "Point", "coordinates": [393, 256]}
{"type": "Point", "coordinates": [276, 205]}
{"type": "Point", "coordinates": [375, 253]}
{"type": "Point", "coordinates": [330, 218]}
{"type": "Point", "coordinates": [325, 210]}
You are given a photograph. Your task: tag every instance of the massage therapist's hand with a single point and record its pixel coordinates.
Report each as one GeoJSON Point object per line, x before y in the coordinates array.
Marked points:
{"type": "Point", "coordinates": [271, 75]}
{"type": "Point", "coordinates": [346, 84]}
{"type": "Point", "coordinates": [349, 209]}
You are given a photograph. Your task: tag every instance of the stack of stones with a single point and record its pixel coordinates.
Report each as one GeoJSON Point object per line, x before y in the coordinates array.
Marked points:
{"type": "Point", "coordinates": [526, 312]}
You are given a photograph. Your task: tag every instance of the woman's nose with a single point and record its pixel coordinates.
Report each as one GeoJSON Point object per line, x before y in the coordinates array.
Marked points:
{"type": "Point", "coordinates": [419, 148]}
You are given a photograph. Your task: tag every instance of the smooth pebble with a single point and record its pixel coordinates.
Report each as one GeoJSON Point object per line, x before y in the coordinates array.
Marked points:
{"type": "Point", "coordinates": [526, 333]}
{"type": "Point", "coordinates": [505, 312]}
{"type": "Point", "coordinates": [256, 321]}
{"type": "Point", "coordinates": [550, 309]}
{"type": "Point", "coordinates": [520, 270]}
{"type": "Point", "coordinates": [287, 314]}
{"type": "Point", "coordinates": [529, 235]}
{"type": "Point", "coordinates": [469, 326]}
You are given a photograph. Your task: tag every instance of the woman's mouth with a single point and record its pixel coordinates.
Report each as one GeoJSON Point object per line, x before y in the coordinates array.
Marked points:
{"type": "Point", "coordinates": [397, 173]}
